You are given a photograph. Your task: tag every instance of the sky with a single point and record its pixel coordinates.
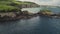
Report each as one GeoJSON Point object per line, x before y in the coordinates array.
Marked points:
{"type": "Point", "coordinates": [45, 2]}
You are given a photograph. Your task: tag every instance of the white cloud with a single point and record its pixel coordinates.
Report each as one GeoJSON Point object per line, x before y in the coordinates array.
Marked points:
{"type": "Point", "coordinates": [45, 2]}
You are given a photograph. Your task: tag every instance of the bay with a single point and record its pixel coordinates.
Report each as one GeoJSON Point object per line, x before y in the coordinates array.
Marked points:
{"type": "Point", "coordinates": [35, 25]}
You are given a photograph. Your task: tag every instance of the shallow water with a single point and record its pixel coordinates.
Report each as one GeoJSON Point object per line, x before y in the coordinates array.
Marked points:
{"type": "Point", "coordinates": [33, 10]}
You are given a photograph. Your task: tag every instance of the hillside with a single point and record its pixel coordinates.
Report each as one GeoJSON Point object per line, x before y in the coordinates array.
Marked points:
{"type": "Point", "coordinates": [9, 5]}
{"type": "Point", "coordinates": [25, 4]}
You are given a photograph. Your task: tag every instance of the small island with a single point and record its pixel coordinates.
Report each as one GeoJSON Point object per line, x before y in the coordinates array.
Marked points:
{"type": "Point", "coordinates": [48, 13]}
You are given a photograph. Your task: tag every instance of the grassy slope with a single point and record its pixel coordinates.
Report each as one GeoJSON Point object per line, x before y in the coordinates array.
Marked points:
{"type": "Point", "coordinates": [4, 5]}
{"type": "Point", "coordinates": [17, 2]}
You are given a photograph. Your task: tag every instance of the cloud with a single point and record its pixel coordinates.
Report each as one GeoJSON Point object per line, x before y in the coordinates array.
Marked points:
{"type": "Point", "coordinates": [45, 2]}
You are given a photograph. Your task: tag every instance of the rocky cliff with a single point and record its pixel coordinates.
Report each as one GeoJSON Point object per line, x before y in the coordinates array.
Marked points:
{"type": "Point", "coordinates": [25, 4]}
{"type": "Point", "coordinates": [30, 5]}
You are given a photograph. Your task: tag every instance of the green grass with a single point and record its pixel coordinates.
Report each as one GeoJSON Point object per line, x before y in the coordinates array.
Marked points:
{"type": "Point", "coordinates": [19, 2]}
{"type": "Point", "coordinates": [16, 2]}
{"type": "Point", "coordinates": [4, 2]}
{"type": "Point", "coordinates": [5, 5]}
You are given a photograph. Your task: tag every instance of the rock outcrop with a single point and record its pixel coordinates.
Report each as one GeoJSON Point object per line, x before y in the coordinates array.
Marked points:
{"type": "Point", "coordinates": [25, 4]}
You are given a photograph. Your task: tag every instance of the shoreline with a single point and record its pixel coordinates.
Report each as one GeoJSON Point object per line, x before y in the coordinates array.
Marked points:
{"type": "Point", "coordinates": [12, 16]}
{"type": "Point", "coordinates": [25, 17]}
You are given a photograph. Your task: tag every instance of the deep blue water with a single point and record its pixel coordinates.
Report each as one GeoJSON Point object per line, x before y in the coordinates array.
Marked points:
{"type": "Point", "coordinates": [36, 25]}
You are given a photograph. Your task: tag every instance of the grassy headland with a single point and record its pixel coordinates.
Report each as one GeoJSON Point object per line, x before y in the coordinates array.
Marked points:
{"type": "Point", "coordinates": [11, 10]}
{"type": "Point", "coordinates": [10, 5]}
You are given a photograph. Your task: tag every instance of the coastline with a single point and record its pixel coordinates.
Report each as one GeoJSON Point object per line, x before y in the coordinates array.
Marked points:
{"type": "Point", "coordinates": [25, 16]}
{"type": "Point", "coordinates": [10, 14]}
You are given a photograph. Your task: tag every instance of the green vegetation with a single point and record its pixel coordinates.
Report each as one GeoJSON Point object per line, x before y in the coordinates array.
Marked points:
{"type": "Point", "coordinates": [11, 10]}
{"type": "Point", "coordinates": [7, 0]}
{"type": "Point", "coordinates": [8, 5]}
{"type": "Point", "coordinates": [45, 12]}
{"type": "Point", "coordinates": [26, 2]}
{"type": "Point", "coordinates": [5, 7]}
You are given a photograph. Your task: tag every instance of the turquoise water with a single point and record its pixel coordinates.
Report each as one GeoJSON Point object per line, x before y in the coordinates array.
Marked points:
{"type": "Point", "coordinates": [35, 10]}
{"type": "Point", "coordinates": [35, 25]}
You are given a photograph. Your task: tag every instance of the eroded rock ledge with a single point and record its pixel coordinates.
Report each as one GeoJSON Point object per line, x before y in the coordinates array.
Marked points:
{"type": "Point", "coordinates": [10, 16]}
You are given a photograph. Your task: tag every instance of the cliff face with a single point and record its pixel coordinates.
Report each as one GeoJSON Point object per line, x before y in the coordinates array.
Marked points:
{"type": "Point", "coordinates": [25, 4]}
{"type": "Point", "coordinates": [30, 5]}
